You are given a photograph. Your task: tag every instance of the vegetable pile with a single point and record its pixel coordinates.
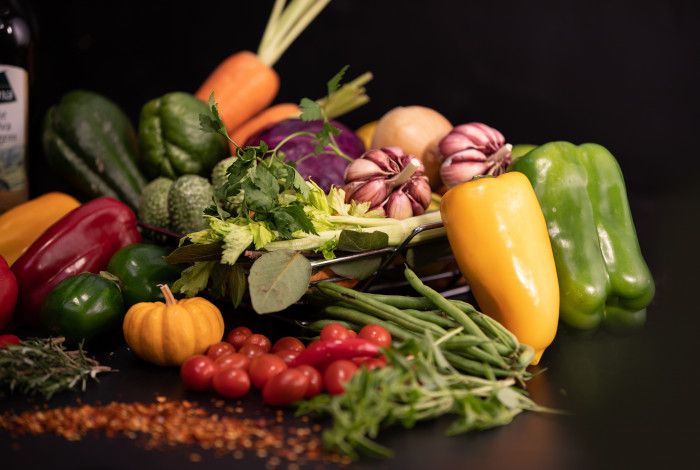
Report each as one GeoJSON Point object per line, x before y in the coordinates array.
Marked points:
{"type": "Point", "coordinates": [259, 206]}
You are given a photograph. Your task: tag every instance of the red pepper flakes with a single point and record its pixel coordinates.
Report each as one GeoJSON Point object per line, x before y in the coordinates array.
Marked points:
{"type": "Point", "coordinates": [168, 423]}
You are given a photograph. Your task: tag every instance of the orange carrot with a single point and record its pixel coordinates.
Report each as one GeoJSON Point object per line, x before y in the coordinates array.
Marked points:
{"type": "Point", "coordinates": [245, 83]}
{"type": "Point", "coordinates": [242, 86]}
{"type": "Point", "coordinates": [271, 115]}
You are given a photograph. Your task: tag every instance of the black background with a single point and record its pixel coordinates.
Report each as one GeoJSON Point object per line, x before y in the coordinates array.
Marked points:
{"type": "Point", "coordinates": [623, 74]}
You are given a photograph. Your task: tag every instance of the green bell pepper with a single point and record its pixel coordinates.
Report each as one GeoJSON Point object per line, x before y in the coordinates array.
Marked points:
{"type": "Point", "coordinates": [140, 268]}
{"type": "Point", "coordinates": [172, 141]}
{"type": "Point", "coordinates": [83, 307]}
{"type": "Point", "coordinates": [602, 275]}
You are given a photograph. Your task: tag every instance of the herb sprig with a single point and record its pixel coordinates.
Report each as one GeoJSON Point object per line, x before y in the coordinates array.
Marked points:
{"type": "Point", "coordinates": [45, 367]}
{"type": "Point", "coordinates": [418, 384]}
{"type": "Point", "coordinates": [269, 188]}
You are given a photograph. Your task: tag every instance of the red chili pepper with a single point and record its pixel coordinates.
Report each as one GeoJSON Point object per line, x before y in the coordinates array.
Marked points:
{"type": "Point", "coordinates": [82, 241]}
{"type": "Point", "coordinates": [321, 352]}
{"type": "Point", "coordinates": [8, 293]}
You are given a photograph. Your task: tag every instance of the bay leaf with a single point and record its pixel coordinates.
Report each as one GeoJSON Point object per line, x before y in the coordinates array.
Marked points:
{"type": "Point", "coordinates": [195, 252]}
{"type": "Point", "coordinates": [359, 269]}
{"type": "Point", "coordinates": [237, 284]}
{"type": "Point", "coordinates": [277, 280]}
{"type": "Point", "coordinates": [355, 242]}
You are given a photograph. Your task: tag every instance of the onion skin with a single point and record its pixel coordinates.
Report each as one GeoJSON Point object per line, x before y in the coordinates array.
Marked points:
{"type": "Point", "coordinates": [417, 130]}
{"type": "Point", "coordinates": [325, 169]}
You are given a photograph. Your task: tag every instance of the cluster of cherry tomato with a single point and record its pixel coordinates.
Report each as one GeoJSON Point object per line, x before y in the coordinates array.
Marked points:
{"type": "Point", "coordinates": [246, 358]}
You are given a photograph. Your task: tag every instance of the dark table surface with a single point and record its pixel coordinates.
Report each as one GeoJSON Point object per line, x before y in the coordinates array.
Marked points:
{"type": "Point", "coordinates": [630, 398]}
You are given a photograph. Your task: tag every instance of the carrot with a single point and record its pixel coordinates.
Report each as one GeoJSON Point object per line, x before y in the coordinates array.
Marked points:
{"type": "Point", "coordinates": [245, 83]}
{"type": "Point", "coordinates": [242, 85]}
{"type": "Point", "coordinates": [271, 115]}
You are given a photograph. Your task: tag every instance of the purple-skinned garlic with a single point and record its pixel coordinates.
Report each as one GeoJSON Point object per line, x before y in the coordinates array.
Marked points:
{"type": "Point", "coordinates": [470, 150]}
{"type": "Point", "coordinates": [390, 181]}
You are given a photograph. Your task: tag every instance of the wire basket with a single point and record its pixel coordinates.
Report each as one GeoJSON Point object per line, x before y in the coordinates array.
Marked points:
{"type": "Point", "coordinates": [431, 259]}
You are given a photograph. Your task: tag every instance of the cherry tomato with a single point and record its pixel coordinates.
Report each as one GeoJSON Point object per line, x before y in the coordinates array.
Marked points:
{"type": "Point", "coordinates": [236, 360]}
{"type": "Point", "coordinates": [287, 355]}
{"type": "Point", "coordinates": [376, 334]}
{"type": "Point", "coordinates": [351, 334]}
{"type": "Point", "coordinates": [315, 380]}
{"type": "Point", "coordinates": [288, 342]}
{"type": "Point", "coordinates": [374, 363]}
{"type": "Point", "coordinates": [217, 350]}
{"type": "Point", "coordinates": [251, 350]}
{"type": "Point", "coordinates": [197, 372]}
{"type": "Point", "coordinates": [260, 340]}
{"type": "Point", "coordinates": [285, 388]}
{"type": "Point", "coordinates": [238, 335]}
{"type": "Point", "coordinates": [231, 382]}
{"type": "Point", "coordinates": [334, 332]}
{"type": "Point", "coordinates": [8, 339]}
{"type": "Point", "coordinates": [337, 374]}
{"type": "Point", "coordinates": [264, 367]}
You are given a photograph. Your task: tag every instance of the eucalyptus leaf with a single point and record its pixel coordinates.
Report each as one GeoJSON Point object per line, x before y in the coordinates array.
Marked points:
{"type": "Point", "coordinates": [359, 269]}
{"type": "Point", "coordinates": [195, 252]}
{"type": "Point", "coordinates": [277, 280]}
{"type": "Point", "coordinates": [355, 242]}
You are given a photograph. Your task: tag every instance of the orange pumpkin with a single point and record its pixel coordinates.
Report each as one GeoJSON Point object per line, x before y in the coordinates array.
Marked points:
{"type": "Point", "coordinates": [168, 333]}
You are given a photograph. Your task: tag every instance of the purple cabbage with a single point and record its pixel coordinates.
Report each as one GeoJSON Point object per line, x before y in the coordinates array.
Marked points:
{"type": "Point", "coordinates": [325, 169]}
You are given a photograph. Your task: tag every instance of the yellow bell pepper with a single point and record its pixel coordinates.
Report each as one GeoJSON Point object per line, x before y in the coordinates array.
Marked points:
{"type": "Point", "coordinates": [499, 238]}
{"type": "Point", "coordinates": [23, 224]}
{"type": "Point", "coordinates": [366, 133]}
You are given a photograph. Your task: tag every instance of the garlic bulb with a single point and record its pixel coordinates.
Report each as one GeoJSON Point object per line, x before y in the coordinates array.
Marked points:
{"type": "Point", "coordinates": [470, 150]}
{"type": "Point", "coordinates": [389, 180]}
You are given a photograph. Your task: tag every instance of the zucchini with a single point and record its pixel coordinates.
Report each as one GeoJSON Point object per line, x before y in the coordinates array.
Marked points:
{"type": "Point", "coordinates": [89, 141]}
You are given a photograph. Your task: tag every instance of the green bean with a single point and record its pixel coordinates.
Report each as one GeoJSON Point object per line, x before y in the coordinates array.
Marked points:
{"type": "Point", "coordinates": [432, 316]}
{"type": "Point", "coordinates": [488, 324]}
{"type": "Point", "coordinates": [449, 308]}
{"type": "Point", "coordinates": [361, 318]}
{"type": "Point", "coordinates": [319, 324]}
{"type": "Point", "coordinates": [383, 311]}
{"type": "Point", "coordinates": [475, 367]}
{"type": "Point", "coordinates": [402, 301]}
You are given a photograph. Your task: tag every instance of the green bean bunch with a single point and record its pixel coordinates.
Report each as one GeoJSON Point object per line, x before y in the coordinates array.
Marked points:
{"type": "Point", "coordinates": [479, 344]}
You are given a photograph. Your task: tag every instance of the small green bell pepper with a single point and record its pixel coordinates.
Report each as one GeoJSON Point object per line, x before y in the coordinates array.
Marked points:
{"type": "Point", "coordinates": [83, 307]}
{"type": "Point", "coordinates": [140, 268]}
{"type": "Point", "coordinates": [172, 141]}
{"type": "Point", "coordinates": [602, 274]}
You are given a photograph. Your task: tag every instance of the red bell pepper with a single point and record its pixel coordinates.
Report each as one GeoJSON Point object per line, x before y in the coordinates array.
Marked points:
{"type": "Point", "coordinates": [82, 241]}
{"type": "Point", "coordinates": [8, 293]}
{"type": "Point", "coordinates": [320, 352]}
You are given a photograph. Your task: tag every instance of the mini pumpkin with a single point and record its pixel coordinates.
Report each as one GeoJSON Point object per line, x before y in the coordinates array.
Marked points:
{"type": "Point", "coordinates": [168, 333]}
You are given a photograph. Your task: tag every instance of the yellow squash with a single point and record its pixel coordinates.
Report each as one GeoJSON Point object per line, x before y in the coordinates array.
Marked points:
{"type": "Point", "coordinates": [499, 238]}
{"type": "Point", "coordinates": [168, 333]}
{"type": "Point", "coordinates": [23, 224]}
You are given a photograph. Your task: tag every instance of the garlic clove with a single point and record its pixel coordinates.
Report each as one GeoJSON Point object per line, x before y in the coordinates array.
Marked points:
{"type": "Point", "coordinates": [382, 159]}
{"type": "Point", "coordinates": [419, 190]}
{"type": "Point", "coordinates": [363, 169]}
{"type": "Point", "coordinates": [373, 191]}
{"type": "Point", "coordinates": [398, 206]}
{"type": "Point", "coordinates": [456, 171]}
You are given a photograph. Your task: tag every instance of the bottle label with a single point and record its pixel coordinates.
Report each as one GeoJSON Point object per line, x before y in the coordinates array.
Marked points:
{"type": "Point", "coordinates": [13, 127]}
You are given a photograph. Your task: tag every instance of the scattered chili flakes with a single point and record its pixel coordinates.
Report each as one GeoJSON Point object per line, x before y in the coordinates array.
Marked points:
{"type": "Point", "coordinates": [168, 423]}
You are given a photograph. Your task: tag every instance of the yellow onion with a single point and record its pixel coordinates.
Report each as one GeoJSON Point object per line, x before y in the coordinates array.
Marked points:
{"type": "Point", "coordinates": [470, 150]}
{"type": "Point", "coordinates": [390, 181]}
